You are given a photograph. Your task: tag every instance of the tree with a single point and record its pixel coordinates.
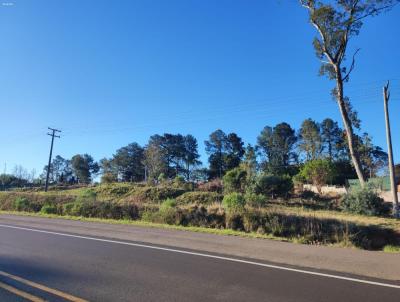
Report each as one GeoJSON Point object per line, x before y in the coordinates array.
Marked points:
{"type": "Point", "coordinates": [235, 180]}
{"type": "Point", "coordinates": [332, 139]}
{"type": "Point", "coordinates": [277, 145]}
{"type": "Point", "coordinates": [190, 155]}
{"type": "Point", "coordinates": [337, 22]}
{"type": "Point", "coordinates": [310, 139]}
{"type": "Point", "coordinates": [171, 154]}
{"type": "Point", "coordinates": [373, 158]}
{"type": "Point", "coordinates": [319, 172]}
{"type": "Point", "coordinates": [215, 147]}
{"type": "Point", "coordinates": [20, 172]}
{"type": "Point", "coordinates": [108, 171]}
{"type": "Point", "coordinates": [154, 159]}
{"type": "Point", "coordinates": [225, 152]}
{"type": "Point", "coordinates": [128, 161]}
{"type": "Point", "coordinates": [249, 163]}
{"type": "Point", "coordinates": [173, 147]}
{"type": "Point", "coordinates": [84, 167]}
{"type": "Point", "coordinates": [273, 185]}
{"type": "Point", "coordinates": [234, 151]}
{"type": "Point", "coordinates": [11, 181]}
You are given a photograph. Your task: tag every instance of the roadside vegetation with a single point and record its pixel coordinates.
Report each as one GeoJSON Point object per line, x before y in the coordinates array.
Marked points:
{"type": "Point", "coordinates": [304, 218]}
{"type": "Point", "coordinates": [274, 188]}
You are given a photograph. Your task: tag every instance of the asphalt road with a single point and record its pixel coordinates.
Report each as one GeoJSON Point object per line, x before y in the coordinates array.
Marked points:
{"type": "Point", "coordinates": [110, 271]}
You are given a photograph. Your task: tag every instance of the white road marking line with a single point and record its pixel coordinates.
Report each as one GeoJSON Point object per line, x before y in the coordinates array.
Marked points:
{"type": "Point", "coordinates": [208, 256]}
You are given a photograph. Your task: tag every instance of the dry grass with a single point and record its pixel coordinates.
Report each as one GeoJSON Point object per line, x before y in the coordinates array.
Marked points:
{"type": "Point", "coordinates": [384, 222]}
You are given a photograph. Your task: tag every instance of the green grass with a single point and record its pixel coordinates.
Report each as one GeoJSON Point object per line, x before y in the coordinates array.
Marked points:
{"type": "Point", "coordinates": [146, 224]}
{"type": "Point", "coordinates": [308, 216]}
{"type": "Point", "coordinates": [391, 249]}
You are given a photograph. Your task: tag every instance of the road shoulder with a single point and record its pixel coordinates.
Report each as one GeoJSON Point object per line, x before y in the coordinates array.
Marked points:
{"type": "Point", "coordinates": [344, 260]}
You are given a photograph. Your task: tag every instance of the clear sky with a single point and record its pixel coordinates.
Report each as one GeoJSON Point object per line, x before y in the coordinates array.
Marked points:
{"type": "Point", "coordinates": [108, 73]}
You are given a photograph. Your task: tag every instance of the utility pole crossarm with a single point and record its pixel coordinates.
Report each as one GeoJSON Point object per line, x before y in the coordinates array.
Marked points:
{"type": "Point", "coordinates": [53, 135]}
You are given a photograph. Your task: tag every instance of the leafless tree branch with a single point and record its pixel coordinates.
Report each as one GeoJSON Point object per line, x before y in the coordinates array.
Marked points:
{"type": "Point", "coordinates": [346, 77]}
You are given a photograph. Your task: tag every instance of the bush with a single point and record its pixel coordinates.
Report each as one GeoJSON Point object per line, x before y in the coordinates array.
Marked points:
{"type": "Point", "coordinates": [167, 204]}
{"type": "Point", "coordinates": [26, 205]}
{"type": "Point", "coordinates": [235, 181]}
{"type": "Point", "coordinates": [162, 178]}
{"type": "Point", "coordinates": [154, 194]}
{"type": "Point", "coordinates": [167, 213]}
{"type": "Point", "coordinates": [114, 189]}
{"type": "Point", "coordinates": [233, 202]}
{"type": "Point", "coordinates": [319, 172]}
{"type": "Point", "coordinates": [202, 198]}
{"type": "Point", "coordinates": [88, 195]}
{"type": "Point", "coordinates": [72, 208]}
{"type": "Point", "coordinates": [179, 181]}
{"type": "Point", "coordinates": [108, 178]}
{"type": "Point", "coordinates": [364, 201]}
{"type": "Point", "coordinates": [307, 194]}
{"type": "Point", "coordinates": [22, 204]}
{"type": "Point", "coordinates": [255, 200]}
{"type": "Point", "coordinates": [102, 209]}
{"type": "Point", "coordinates": [272, 185]}
{"type": "Point", "coordinates": [214, 185]}
{"type": "Point", "coordinates": [49, 209]}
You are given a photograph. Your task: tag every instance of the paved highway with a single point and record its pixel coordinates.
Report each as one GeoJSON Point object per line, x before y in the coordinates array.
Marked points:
{"type": "Point", "coordinates": [54, 266]}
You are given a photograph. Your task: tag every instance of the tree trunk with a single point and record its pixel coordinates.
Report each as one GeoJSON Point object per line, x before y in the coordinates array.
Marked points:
{"type": "Point", "coordinates": [348, 127]}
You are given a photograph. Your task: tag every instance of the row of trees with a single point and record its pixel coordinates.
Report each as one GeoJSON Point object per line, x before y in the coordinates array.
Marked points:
{"type": "Point", "coordinates": [167, 155]}
{"type": "Point", "coordinates": [282, 147]}
{"type": "Point", "coordinates": [280, 150]}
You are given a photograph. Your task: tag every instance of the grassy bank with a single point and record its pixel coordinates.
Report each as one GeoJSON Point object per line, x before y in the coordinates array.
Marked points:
{"type": "Point", "coordinates": [303, 220]}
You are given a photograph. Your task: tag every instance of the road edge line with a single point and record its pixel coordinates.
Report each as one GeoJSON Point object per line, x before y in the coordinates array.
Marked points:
{"type": "Point", "coordinates": [205, 255]}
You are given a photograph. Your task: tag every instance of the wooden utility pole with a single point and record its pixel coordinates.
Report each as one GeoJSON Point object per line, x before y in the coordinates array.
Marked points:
{"type": "Point", "coordinates": [386, 97]}
{"type": "Point", "coordinates": [53, 135]}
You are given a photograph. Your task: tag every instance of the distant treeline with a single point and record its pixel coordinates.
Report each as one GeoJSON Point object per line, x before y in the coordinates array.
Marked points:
{"type": "Point", "coordinates": [280, 150]}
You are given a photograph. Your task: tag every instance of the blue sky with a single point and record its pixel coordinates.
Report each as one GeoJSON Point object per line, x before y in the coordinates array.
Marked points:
{"type": "Point", "coordinates": [109, 73]}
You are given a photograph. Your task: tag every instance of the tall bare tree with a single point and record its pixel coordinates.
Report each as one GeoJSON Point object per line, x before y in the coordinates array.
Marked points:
{"type": "Point", "coordinates": [336, 22]}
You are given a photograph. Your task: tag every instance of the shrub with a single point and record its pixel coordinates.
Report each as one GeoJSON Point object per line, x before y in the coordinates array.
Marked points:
{"type": "Point", "coordinates": [88, 195]}
{"type": "Point", "coordinates": [306, 194]}
{"type": "Point", "coordinates": [26, 205]}
{"type": "Point", "coordinates": [102, 209]}
{"type": "Point", "coordinates": [319, 172]}
{"type": "Point", "coordinates": [167, 213]}
{"type": "Point", "coordinates": [109, 177]}
{"type": "Point", "coordinates": [22, 204]}
{"type": "Point", "coordinates": [364, 201]}
{"type": "Point", "coordinates": [179, 181]}
{"type": "Point", "coordinates": [214, 185]}
{"type": "Point", "coordinates": [154, 194]}
{"type": "Point", "coordinates": [253, 221]}
{"type": "Point", "coordinates": [162, 178]}
{"type": "Point", "coordinates": [233, 202]}
{"type": "Point", "coordinates": [235, 180]}
{"type": "Point", "coordinates": [72, 208]}
{"type": "Point", "coordinates": [391, 249]}
{"type": "Point", "coordinates": [255, 200]}
{"type": "Point", "coordinates": [203, 198]}
{"type": "Point", "coordinates": [49, 209]}
{"type": "Point", "coordinates": [167, 204]}
{"type": "Point", "coordinates": [272, 185]}
{"type": "Point", "coordinates": [113, 189]}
